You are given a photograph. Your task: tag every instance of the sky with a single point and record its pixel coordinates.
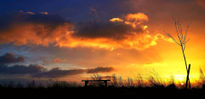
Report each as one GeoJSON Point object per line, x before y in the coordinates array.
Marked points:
{"type": "Point", "coordinates": [72, 40]}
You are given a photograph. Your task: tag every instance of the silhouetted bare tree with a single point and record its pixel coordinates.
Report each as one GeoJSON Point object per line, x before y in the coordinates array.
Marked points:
{"type": "Point", "coordinates": [96, 77]}
{"type": "Point", "coordinates": [182, 40]}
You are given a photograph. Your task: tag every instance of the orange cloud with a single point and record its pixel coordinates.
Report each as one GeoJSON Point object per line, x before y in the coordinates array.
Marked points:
{"type": "Point", "coordinates": [45, 13]}
{"type": "Point", "coordinates": [116, 20]}
{"type": "Point", "coordinates": [58, 60]}
{"type": "Point", "coordinates": [137, 17]}
{"type": "Point", "coordinates": [132, 19]}
{"type": "Point", "coordinates": [36, 34]}
{"type": "Point", "coordinates": [129, 32]}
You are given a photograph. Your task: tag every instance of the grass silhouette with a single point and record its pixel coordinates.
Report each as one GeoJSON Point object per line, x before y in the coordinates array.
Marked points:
{"type": "Point", "coordinates": [116, 88]}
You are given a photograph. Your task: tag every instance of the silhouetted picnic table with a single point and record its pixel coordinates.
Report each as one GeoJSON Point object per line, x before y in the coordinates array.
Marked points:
{"type": "Point", "coordinates": [87, 81]}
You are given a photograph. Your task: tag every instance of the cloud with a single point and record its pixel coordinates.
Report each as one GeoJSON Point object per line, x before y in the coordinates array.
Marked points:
{"type": "Point", "coordinates": [21, 69]}
{"type": "Point", "coordinates": [109, 30]}
{"type": "Point", "coordinates": [58, 60]}
{"type": "Point", "coordinates": [116, 29]}
{"type": "Point", "coordinates": [56, 72]}
{"type": "Point", "coordinates": [45, 13]}
{"type": "Point", "coordinates": [10, 58]}
{"type": "Point", "coordinates": [100, 69]}
{"type": "Point", "coordinates": [41, 72]}
{"type": "Point", "coordinates": [136, 18]}
{"type": "Point", "coordinates": [129, 32]}
{"type": "Point", "coordinates": [36, 70]}
{"type": "Point", "coordinates": [26, 28]}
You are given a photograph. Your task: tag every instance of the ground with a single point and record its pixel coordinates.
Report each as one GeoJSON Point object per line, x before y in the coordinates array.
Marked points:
{"type": "Point", "coordinates": [100, 92]}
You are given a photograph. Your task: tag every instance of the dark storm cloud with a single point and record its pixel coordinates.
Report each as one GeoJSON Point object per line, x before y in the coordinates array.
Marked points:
{"type": "Point", "coordinates": [21, 17]}
{"type": "Point", "coordinates": [100, 69]}
{"type": "Point", "coordinates": [111, 30]}
{"type": "Point", "coordinates": [36, 70]}
{"type": "Point", "coordinates": [30, 28]}
{"type": "Point", "coordinates": [42, 72]}
{"type": "Point", "coordinates": [24, 28]}
{"type": "Point", "coordinates": [56, 72]}
{"type": "Point", "coordinates": [9, 58]}
{"type": "Point", "coordinates": [21, 69]}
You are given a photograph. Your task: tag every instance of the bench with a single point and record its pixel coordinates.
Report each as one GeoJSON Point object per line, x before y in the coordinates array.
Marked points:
{"type": "Point", "coordinates": [87, 81]}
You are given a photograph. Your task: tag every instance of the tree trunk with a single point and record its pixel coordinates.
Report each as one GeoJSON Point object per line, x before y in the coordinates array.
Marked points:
{"type": "Point", "coordinates": [188, 84]}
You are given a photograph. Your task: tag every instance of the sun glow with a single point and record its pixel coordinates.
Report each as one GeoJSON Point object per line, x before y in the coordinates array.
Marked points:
{"type": "Point", "coordinates": [179, 78]}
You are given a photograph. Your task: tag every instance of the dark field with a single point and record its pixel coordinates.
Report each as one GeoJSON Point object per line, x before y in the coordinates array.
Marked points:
{"type": "Point", "coordinates": [100, 92]}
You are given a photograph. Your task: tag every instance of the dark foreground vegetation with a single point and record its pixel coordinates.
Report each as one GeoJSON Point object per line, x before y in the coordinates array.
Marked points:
{"type": "Point", "coordinates": [116, 88]}
{"type": "Point", "coordinates": [65, 91]}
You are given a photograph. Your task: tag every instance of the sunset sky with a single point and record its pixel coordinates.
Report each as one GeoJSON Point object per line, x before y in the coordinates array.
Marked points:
{"type": "Point", "coordinates": [73, 39]}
